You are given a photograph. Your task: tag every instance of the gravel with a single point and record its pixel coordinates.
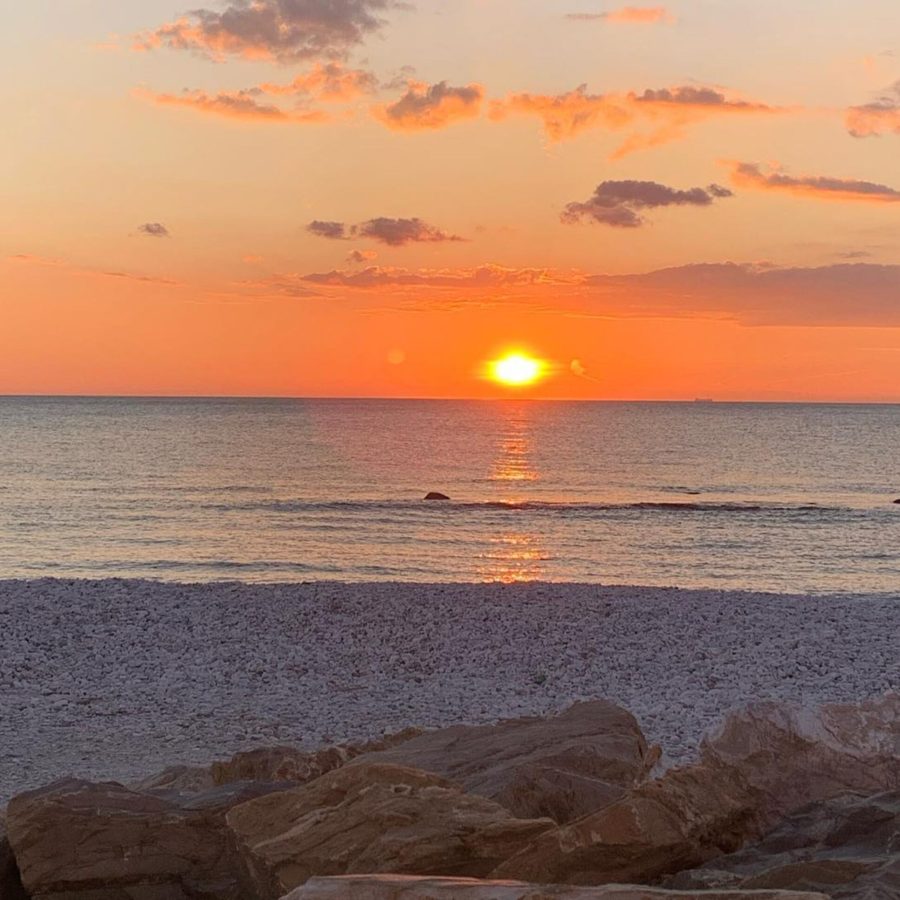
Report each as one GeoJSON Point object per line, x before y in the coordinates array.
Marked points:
{"type": "Point", "coordinates": [117, 679]}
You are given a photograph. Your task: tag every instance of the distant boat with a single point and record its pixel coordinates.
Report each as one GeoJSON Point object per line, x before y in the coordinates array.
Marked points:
{"type": "Point", "coordinates": [704, 400]}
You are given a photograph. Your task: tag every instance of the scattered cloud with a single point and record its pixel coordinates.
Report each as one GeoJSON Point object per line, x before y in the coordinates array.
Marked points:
{"type": "Point", "coordinates": [30, 259]}
{"type": "Point", "coordinates": [242, 105]}
{"type": "Point", "coordinates": [329, 82]}
{"type": "Point", "coordinates": [823, 187]}
{"type": "Point", "coordinates": [628, 15]}
{"type": "Point", "coordinates": [282, 30]}
{"type": "Point", "coordinates": [881, 116]}
{"type": "Point", "coordinates": [393, 232]}
{"type": "Point", "coordinates": [358, 257]}
{"type": "Point", "coordinates": [620, 203]}
{"type": "Point", "coordinates": [482, 276]}
{"type": "Point", "coordinates": [858, 294]}
{"type": "Point", "coordinates": [333, 231]}
{"type": "Point", "coordinates": [430, 106]}
{"type": "Point", "coordinates": [154, 229]}
{"type": "Point", "coordinates": [668, 112]}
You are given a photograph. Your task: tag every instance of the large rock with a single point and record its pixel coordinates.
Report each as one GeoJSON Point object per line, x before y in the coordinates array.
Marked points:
{"type": "Point", "coordinates": [562, 767]}
{"type": "Point", "coordinates": [373, 818]}
{"type": "Point", "coordinates": [76, 840]}
{"type": "Point", "coordinates": [401, 887]}
{"type": "Point", "coordinates": [847, 847]}
{"type": "Point", "coordinates": [763, 763]}
{"type": "Point", "coordinates": [265, 764]}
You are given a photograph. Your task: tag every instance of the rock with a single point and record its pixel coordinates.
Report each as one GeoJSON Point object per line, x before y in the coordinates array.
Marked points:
{"type": "Point", "coordinates": [764, 763]}
{"type": "Point", "coordinates": [76, 840]}
{"type": "Point", "coordinates": [372, 818]}
{"type": "Point", "coordinates": [561, 767]}
{"type": "Point", "coordinates": [10, 881]}
{"type": "Point", "coordinates": [847, 847]}
{"type": "Point", "coordinates": [897, 500]}
{"type": "Point", "coordinates": [403, 887]}
{"type": "Point", "coordinates": [436, 495]}
{"type": "Point", "coordinates": [266, 764]}
{"type": "Point", "coordinates": [177, 779]}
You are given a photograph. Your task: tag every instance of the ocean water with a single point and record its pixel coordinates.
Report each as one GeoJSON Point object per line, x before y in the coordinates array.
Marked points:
{"type": "Point", "coordinates": [782, 497]}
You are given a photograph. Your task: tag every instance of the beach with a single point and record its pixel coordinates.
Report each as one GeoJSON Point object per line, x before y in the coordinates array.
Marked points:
{"type": "Point", "coordinates": [119, 679]}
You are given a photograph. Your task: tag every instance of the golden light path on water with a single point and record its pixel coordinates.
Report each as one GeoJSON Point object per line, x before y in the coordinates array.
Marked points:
{"type": "Point", "coordinates": [514, 554]}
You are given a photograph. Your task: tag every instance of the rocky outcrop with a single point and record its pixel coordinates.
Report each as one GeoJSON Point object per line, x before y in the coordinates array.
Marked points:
{"type": "Point", "coordinates": [436, 495]}
{"type": "Point", "coordinates": [561, 767]}
{"type": "Point", "coordinates": [763, 763]}
{"type": "Point", "coordinates": [77, 840]}
{"type": "Point", "coordinates": [399, 887]}
{"type": "Point", "coordinates": [372, 818]}
{"type": "Point", "coordinates": [847, 847]}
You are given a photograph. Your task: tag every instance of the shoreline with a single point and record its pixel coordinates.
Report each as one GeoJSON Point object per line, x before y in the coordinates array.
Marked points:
{"type": "Point", "coordinates": [118, 678]}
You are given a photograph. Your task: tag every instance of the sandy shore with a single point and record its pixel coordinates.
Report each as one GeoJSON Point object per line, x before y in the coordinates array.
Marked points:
{"type": "Point", "coordinates": [118, 679]}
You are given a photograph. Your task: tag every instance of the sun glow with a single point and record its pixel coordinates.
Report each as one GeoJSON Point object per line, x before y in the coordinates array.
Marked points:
{"type": "Point", "coordinates": [516, 370]}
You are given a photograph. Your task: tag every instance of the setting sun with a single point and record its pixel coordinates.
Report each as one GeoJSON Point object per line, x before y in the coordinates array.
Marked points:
{"type": "Point", "coordinates": [516, 370]}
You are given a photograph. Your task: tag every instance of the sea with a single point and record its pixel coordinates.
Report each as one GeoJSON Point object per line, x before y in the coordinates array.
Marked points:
{"type": "Point", "coordinates": [792, 498]}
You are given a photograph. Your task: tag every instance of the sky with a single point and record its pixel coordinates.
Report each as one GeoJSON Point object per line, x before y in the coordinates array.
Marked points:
{"type": "Point", "coordinates": [377, 198]}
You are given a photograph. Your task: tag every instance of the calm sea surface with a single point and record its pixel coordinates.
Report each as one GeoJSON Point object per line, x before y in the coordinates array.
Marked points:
{"type": "Point", "coordinates": [775, 497]}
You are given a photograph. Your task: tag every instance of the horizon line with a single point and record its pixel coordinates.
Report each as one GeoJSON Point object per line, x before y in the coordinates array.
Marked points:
{"type": "Point", "coordinates": [693, 401]}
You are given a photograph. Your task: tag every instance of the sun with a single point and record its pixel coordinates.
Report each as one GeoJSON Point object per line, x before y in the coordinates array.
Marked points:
{"type": "Point", "coordinates": [516, 370]}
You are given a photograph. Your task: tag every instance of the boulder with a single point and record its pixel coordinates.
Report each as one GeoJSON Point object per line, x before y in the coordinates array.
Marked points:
{"type": "Point", "coordinates": [562, 767]}
{"type": "Point", "coordinates": [404, 887]}
{"type": "Point", "coordinates": [847, 847]}
{"type": "Point", "coordinates": [762, 764]}
{"type": "Point", "coordinates": [266, 764]}
{"type": "Point", "coordinates": [436, 495]}
{"type": "Point", "coordinates": [372, 818]}
{"type": "Point", "coordinates": [77, 840]}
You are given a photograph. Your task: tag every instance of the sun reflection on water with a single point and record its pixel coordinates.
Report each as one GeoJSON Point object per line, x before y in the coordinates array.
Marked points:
{"type": "Point", "coordinates": [515, 554]}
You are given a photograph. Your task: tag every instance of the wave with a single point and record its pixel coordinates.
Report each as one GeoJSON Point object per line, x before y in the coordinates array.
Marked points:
{"type": "Point", "coordinates": [547, 507]}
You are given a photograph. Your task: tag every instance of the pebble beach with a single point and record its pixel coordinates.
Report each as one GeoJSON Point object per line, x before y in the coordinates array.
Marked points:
{"type": "Point", "coordinates": [121, 678]}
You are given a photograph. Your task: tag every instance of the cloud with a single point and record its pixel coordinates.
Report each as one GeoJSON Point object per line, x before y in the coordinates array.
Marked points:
{"type": "Point", "coordinates": [823, 187]}
{"type": "Point", "coordinates": [668, 111]}
{"type": "Point", "coordinates": [630, 15]}
{"type": "Point", "coordinates": [488, 275]}
{"type": "Point", "coordinates": [333, 231]}
{"type": "Point", "coordinates": [881, 116]}
{"type": "Point", "coordinates": [46, 262]}
{"type": "Point", "coordinates": [860, 294]}
{"type": "Point", "coordinates": [358, 257]}
{"type": "Point", "coordinates": [154, 229]}
{"type": "Point", "coordinates": [282, 30]}
{"type": "Point", "coordinates": [393, 232]}
{"type": "Point", "coordinates": [330, 82]}
{"type": "Point", "coordinates": [619, 203]}
{"type": "Point", "coordinates": [241, 105]}
{"type": "Point", "coordinates": [425, 106]}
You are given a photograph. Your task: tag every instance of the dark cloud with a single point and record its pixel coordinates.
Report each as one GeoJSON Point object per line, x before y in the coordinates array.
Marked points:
{"type": "Point", "coordinates": [285, 30]}
{"type": "Point", "coordinates": [425, 106]}
{"type": "Point", "coordinates": [619, 203]}
{"type": "Point", "coordinates": [393, 232]}
{"type": "Point", "coordinates": [334, 231]}
{"type": "Point", "coordinates": [154, 229]}
{"type": "Point", "coordinates": [881, 116]}
{"type": "Point", "coordinates": [698, 97]}
{"type": "Point", "coordinates": [824, 187]}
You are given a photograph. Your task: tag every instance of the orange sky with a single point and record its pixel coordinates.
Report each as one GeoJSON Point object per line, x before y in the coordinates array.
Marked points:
{"type": "Point", "coordinates": [371, 200]}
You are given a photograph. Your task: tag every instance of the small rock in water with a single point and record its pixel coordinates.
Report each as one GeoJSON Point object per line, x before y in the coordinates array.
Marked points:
{"type": "Point", "coordinates": [435, 495]}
